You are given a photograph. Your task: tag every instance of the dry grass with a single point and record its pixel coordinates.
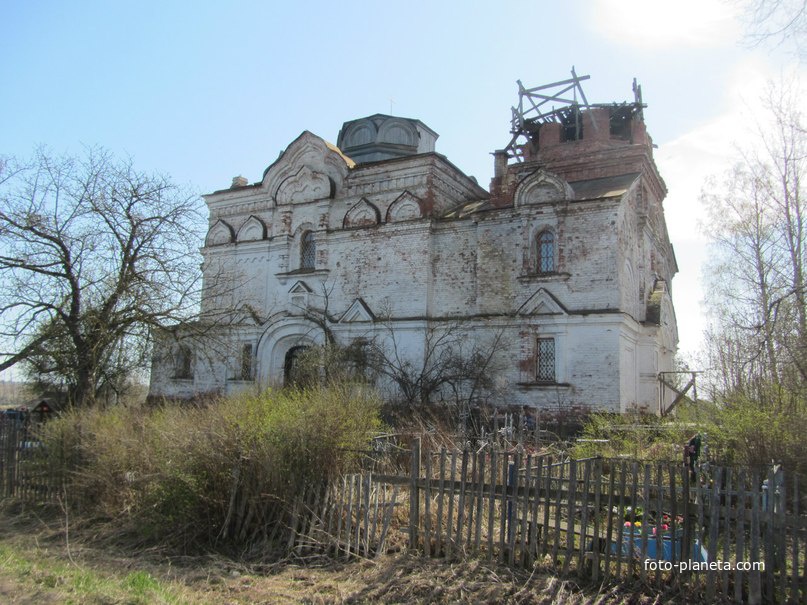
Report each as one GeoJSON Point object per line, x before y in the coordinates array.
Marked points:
{"type": "Point", "coordinates": [41, 562]}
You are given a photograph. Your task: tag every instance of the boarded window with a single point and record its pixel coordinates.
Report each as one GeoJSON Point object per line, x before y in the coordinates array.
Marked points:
{"type": "Point", "coordinates": [308, 251]}
{"type": "Point", "coordinates": [545, 252]}
{"type": "Point", "coordinates": [545, 362]}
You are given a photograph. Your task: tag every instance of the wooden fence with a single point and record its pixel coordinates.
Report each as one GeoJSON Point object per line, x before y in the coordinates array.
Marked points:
{"type": "Point", "coordinates": [734, 534]}
{"type": "Point", "coordinates": [723, 535]}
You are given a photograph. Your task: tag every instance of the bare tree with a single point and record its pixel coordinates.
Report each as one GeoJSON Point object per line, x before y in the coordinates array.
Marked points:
{"type": "Point", "coordinates": [776, 21]}
{"type": "Point", "coordinates": [758, 226]}
{"type": "Point", "coordinates": [93, 256]}
{"type": "Point", "coordinates": [318, 312]}
{"type": "Point", "coordinates": [451, 359]}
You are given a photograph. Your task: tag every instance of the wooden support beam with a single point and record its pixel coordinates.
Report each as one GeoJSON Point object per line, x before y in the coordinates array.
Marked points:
{"type": "Point", "coordinates": [680, 394]}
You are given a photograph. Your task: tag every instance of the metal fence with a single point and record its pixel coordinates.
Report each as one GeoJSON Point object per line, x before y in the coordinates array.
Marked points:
{"type": "Point", "coordinates": [25, 471]}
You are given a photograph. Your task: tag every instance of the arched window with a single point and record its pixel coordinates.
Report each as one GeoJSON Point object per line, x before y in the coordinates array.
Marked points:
{"type": "Point", "coordinates": [545, 252]}
{"type": "Point", "coordinates": [246, 362]}
{"type": "Point", "coordinates": [183, 363]}
{"type": "Point", "coordinates": [308, 251]}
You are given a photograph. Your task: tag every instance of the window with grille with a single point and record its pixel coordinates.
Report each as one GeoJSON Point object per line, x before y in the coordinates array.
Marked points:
{"type": "Point", "coordinates": [545, 362]}
{"type": "Point", "coordinates": [308, 251]}
{"type": "Point", "coordinates": [545, 252]}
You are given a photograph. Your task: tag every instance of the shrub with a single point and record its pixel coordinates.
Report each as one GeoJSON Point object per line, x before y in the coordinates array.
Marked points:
{"type": "Point", "coordinates": [738, 431]}
{"type": "Point", "coordinates": [634, 435]}
{"type": "Point", "coordinates": [755, 432]}
{"type": "Point", "coordinates": [215, 473]}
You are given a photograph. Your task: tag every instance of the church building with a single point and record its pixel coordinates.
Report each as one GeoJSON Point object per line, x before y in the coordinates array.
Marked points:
{"type": "Point", "coordinates": [558, 277]}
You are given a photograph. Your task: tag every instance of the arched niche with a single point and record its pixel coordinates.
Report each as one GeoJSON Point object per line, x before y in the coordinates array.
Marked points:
{"type": "Point", "coordinates": [305, 185]}
{"type": "Point", "coordinates": [406, 207]}
{"type": "Point", "coordinates": [219, 234]}
{"type": "Point", "coordinates": [542, 187]}
{"type": "Point", "coordinates": [398, 132]}
{"type": "Point", "coordinates": [359, 133]}
{"type": "Point", "coordinates": [252, 230]}
{"type": "Point", "coordinates": [362, 214]}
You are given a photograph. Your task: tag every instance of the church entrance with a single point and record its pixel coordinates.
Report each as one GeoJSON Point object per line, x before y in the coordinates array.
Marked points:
{"type": "Point", "coordinates": [290, 364]}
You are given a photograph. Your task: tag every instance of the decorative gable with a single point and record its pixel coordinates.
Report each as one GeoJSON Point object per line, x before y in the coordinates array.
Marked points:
{"type": "Point", "coordinates": [542, 187]}
{"type": "Point", "coordinates": [362, 214]}
{"type": "Point", "coordinates": [246, 314]}
{"type": "Point", "coordinates": [299, 293]}
{"type": "Point", "coordinates": [253, 229]}
{"type": "Point", "coordinates": [357, 312]}
{"type": "Point", "coordinates": [219, 234]}
{"type": "Point", "coordinates": [405, 208]}
{"type": "Point", "coordinates": [305, 186]}
{"type": "Point", "coordinates": [309, 169]}
{"type": "Point", "coordinates": [542, 303]}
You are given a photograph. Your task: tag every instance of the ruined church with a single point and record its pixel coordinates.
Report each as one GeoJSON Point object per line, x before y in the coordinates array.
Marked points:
{"type": "Point", "coordinates": [561, 271]}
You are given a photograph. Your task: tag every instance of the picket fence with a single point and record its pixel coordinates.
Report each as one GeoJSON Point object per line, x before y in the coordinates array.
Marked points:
{"type": "Point", "coordinates": [731, 534]}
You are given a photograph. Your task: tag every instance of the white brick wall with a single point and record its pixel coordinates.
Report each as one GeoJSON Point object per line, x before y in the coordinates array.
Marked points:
{"type": "Point", "coordinates": [477, 272]}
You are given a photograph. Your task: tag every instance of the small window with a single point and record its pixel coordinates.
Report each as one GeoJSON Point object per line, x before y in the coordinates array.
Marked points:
{"type": "Point", "coordinates": [308, 251]}
{"type": "Point", "coordinates": [183, 361]}
{"type": "Point", "coordinates": [545, 252]}
{"type": "Point", "coordinates": [545, 362]}
{"type": "Point", "coordinates": [245, 363]}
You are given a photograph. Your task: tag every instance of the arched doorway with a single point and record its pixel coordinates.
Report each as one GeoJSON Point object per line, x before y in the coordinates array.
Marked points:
{"type": "Point", "coordinates": [290, 363]}
{"type": "Point", "coordinates": [275, 345]}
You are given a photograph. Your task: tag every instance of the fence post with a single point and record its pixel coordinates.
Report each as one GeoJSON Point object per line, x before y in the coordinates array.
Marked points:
{"type": "Point", "coordinates": [414, 495]}
{"type": "Point", "coordinates": [3, 445]}
{"type": "Point", "coordinates": [754, 579]}
{"type": "Point", "coordinates": [511, 480]}
{"type": "Point", "coordinates": [11, 457]}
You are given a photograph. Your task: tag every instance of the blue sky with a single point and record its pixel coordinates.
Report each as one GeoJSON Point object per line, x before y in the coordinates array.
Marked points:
{"type": "Point", "coordinates": [204, 91]}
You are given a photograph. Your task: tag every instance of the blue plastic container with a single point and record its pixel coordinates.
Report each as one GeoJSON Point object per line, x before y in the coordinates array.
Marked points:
{"type": "Point", "coordinates": [632, 546]}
